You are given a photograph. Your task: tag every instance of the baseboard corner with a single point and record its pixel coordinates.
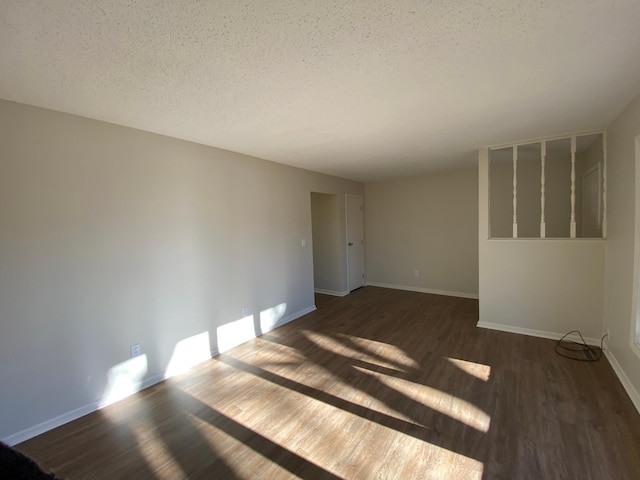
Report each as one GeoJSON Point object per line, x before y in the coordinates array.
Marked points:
{"type": "Point", "coordinates": [634, 395]}
{"type": "Point", "coordinates": [333, 293]}
{"type": "Point", "coordinates": [58, 421]}
{"type": "Point", "coordinates": [534, 333]}
{"type": "Point", "coordinates": [446, 293]}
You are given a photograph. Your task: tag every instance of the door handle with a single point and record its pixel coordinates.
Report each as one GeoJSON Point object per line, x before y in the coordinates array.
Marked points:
{"type": "Point", "coordinates": [350, 244]}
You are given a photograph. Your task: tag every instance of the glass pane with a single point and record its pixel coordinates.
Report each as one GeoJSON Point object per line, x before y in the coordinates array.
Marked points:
{"type": "Point", "coordinates": [558, 188]}
{"type": "Point", "coordinates": [529, 169]}
{"type": "Point", "coordinates": [501, 192]}
{"type": "Point", "coordinates": [589, 158]}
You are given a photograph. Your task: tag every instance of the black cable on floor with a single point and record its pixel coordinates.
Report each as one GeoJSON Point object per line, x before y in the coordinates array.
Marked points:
{"type": "Point", "coordinates": [579, 351]}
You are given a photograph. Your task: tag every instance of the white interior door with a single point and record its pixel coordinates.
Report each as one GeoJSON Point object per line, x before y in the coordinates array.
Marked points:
{"type": "Point", "coordinates": [355, 242]}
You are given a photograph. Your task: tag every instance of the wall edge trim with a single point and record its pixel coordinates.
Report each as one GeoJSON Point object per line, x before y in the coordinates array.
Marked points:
{"type": "Point", "coordinates": [534, 333]}
{"type": "Point", "coordinates": [634, 395]}
{"type": "Point", "coordinates": [331, 292]}
{"type": "Point", "coordinates": [58, 421]}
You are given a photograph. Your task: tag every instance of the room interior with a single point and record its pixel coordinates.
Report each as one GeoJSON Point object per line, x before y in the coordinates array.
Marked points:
{"type": "Point", "coordinates": [175, 180]}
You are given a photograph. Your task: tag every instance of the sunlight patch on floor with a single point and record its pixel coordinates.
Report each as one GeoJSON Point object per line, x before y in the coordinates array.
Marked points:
{"type": "Point", "coordinates": [235, 453]}
{"type": "Point", "coordinates": [435, 399]}
{"type": "Point", "coordinates": [392, 353]}
{"type": "Point", "coordinates": [448, 464]}
{"type": "Point", "coordinates": [156, 454]}
{"type": "Point", "coordinates": [341, 443]}
{"type": "Point", "coordinates": [478, 370]}
{"type": "Point", "coordinates": [371, 356]}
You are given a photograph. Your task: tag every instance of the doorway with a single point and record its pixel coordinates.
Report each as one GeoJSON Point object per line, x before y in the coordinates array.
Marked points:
{"type": "Point", "coordinates": [355, 241]}
{"type": "Point", "coordinates": [325, 230]}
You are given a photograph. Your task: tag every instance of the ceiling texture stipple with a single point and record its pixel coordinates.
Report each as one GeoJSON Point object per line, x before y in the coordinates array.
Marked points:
{"type": "Point", "coordinates": [365, 90]}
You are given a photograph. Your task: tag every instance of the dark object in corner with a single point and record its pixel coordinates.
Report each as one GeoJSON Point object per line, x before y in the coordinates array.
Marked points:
{"type": "Point", "coordinates": [579, 351]}
{"type": "Point", "coordinates": [15, 465]}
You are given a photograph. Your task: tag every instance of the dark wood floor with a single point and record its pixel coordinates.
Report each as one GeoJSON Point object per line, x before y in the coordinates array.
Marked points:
{"type": "Point", "coordinates": [378, 384]}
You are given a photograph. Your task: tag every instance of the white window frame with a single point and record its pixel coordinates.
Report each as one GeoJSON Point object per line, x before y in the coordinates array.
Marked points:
{"type": "Point", "coordinates": [603, 186]}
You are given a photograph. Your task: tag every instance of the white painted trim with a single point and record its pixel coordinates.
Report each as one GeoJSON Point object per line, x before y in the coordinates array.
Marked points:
{"type": "Point", "coordinates": [634, 333]}
{"type": "Point", "coordinates": [583, 133]}
{"type": "Point", "coordinates": [515, 192]}
{"type": "Point", "coordinates": [546, 239]}
{"type": "Point", "coordinates": [331, 292]}
{"type": "Point", "coordinates": [535, 333]}
{"type": "Point", "coordinates": [425, 290]}
{"type": "Point", "coordinates": [622, 376]}
{"type": "Point", "coordinates": [604, 184]}
{"type": "Point", "coordinates": [60, 420]}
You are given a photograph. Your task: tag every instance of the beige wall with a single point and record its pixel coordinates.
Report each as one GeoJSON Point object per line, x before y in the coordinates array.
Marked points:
{"type": "Point", "coordinates": [327, 245]}
{"type": "Point", "coordinates": [112, 236]}
{"type": "Point", "coordinates": [623, 236]}
{"type": "Point", "coordinates": [427, 223]}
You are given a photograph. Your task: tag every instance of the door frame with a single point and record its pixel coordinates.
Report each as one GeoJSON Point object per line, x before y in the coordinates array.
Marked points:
{"type": "Point", "coordinates": [346, 214]}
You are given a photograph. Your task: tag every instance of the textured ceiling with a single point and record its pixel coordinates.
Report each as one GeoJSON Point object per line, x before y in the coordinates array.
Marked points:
{"type": "Point", "coordinates": [365, 89]}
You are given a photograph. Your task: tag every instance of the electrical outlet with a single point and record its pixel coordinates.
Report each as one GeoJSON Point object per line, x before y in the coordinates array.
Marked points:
{"type": "Point", "coordinates": [245, 311]}
{"type": "Point", "coordinates": [135, 350]}
{"type": "Point", "coordinates": [416, 273]}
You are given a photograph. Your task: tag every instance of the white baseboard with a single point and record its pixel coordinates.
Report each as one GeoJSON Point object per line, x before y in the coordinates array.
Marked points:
{"type": "Point", "coordinates": [536, 333]}
{"type": "Point", "coordinates": [331, 292]}
{"type": "Point", "coordinates": [425, 290]}
{"type": "Point", "coordinates": [626, 383]}
{"type": "Point", "coordinates": [60, 420]}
